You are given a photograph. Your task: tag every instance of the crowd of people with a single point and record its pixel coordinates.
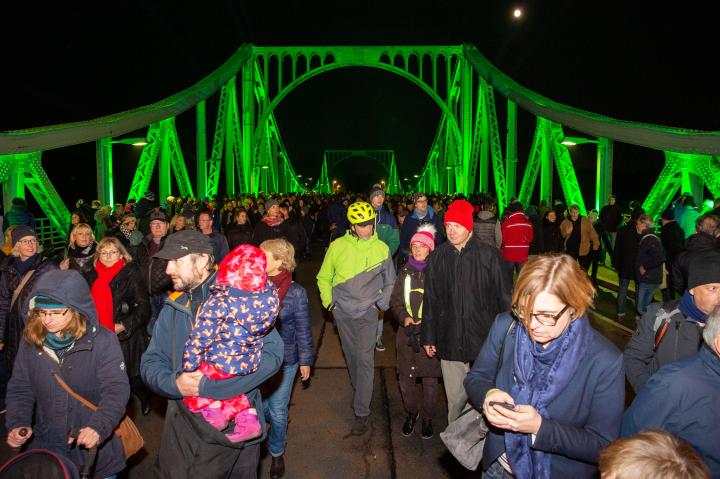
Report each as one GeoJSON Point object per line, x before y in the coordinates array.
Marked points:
{"type": "Point", "coordinates": [194, 301]}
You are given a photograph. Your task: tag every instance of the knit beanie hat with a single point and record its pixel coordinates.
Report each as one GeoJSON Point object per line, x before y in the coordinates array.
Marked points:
{"type": "Point", "coordinates": [425, 235]}
{"type": "Point", "coordinates": [20, 232]}
{"type": "Point", "coordinates": [46, 302]}
{"type": "Point", "coordinates": [243, 268]}
{"type": "Point", "coordinates": [376, 192]}
{"type": "Point", "coordinates": [460, 212]}
{"type": "Point", "coordinates": [270, 203]}
{"type": "Point", "coordinates": [704, 270]}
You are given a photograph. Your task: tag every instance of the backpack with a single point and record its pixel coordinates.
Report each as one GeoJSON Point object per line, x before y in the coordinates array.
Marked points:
{"type": "Point", "coordinates": [662, 321]}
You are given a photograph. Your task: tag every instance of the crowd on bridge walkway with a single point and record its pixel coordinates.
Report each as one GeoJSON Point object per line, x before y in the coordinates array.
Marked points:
{"type": "Point", "coordinates": [194, 301]}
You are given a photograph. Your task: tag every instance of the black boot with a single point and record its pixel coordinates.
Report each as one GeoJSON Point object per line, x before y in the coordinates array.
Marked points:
{"type": "Point", "coordinates": [409, 425]}
{"type": "Point", "coordinates": [277, 468]}
{"type": "Point", "coordinates": [426, 430]}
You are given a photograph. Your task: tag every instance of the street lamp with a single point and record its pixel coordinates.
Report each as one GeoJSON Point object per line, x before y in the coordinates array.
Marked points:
{"type": "Point", "coordinates": [603, 170]}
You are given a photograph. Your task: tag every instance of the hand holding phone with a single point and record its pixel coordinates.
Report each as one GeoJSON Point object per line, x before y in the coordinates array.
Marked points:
{"type": "Point", "coordinates": [506, 405]}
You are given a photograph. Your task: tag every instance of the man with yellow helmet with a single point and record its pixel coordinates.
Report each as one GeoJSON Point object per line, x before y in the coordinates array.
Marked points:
{"type": "Point", "coordinates": [355, 282]}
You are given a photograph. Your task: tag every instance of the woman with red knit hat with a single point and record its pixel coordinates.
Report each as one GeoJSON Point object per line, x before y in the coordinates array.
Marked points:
{"type": "Point", "coordinates": [406, 304]}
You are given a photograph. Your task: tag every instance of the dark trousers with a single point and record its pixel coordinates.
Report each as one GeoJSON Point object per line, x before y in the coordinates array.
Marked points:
{"type": "Point", "coordinates": [410, 391]}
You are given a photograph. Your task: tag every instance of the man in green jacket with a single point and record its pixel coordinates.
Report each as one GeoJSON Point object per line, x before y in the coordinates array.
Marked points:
{"type": "Point", "coordinates": [355, 282]}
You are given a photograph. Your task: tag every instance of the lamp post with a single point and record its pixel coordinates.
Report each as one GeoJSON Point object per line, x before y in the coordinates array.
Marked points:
{"type": "Point", "coordinates": [103, 162]}
{"type": "Point", "coordinates": [604, 165]}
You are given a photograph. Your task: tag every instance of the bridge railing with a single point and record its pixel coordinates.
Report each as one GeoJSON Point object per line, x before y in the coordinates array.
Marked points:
{"type": "Point", "coordinates": [48, 234]}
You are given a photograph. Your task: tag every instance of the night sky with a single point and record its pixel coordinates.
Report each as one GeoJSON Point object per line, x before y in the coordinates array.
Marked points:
{"type": "Point", "coordinates": [638, 61]}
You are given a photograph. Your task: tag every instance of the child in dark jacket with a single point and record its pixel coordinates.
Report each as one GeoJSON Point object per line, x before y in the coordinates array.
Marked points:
{"type": "Point", "coordinates": [227, 337]}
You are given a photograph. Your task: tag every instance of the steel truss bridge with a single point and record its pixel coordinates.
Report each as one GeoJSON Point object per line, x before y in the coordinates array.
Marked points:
{"type": "Point", "coordinates": [246, 151]}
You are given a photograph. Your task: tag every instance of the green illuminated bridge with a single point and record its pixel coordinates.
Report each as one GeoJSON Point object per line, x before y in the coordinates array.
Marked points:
{"type": "Point", "coordinates": [247, 154]}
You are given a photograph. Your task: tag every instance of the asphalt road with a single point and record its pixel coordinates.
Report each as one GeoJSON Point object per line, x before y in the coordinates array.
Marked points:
{"type": "Point", "coordinates": [319, 445]}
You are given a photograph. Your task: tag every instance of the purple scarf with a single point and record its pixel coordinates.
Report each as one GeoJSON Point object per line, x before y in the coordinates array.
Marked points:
{"type": "Point", "coordinates": [541, 375]}
{"type": "Point", "coordinates": [418, 265]}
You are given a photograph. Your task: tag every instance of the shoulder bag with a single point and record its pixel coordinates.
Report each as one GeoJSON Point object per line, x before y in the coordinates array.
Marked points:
{"type": "Point", "coordinates": [127, 431]}
{"type": "Point", "coordinates": [465, 436]}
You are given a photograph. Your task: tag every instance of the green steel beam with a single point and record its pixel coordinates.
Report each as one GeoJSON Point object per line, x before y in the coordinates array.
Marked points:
{"type": "Point", "coordinates": [546, 169]}
{"type": "Point", "coordinates": [12, 178]}
{"type": "Point", "coordinates": [201, 150]}
{"type": "Point", "coordinates": [495, 145]}
{"type": "Point", "coordinates": [533, 165]}
{"type": "Point", "coordinates": [248, 123]}
{"type": "Point", "coordinates": [177, 160]}
{"type": "Point", "coordinates": [604, 171]}
{"type": "Point", "coordinates": [165, 186]}
{"type": "Point", "coordinates": [230, 138]}
{"type": "Point", "coordinates": [214, 163]}
{"type": "Point", "coordinates": [511, 150]}
{"type": "Point", "coordinates": [103, 165]}
{"type": "Point", "coordinates": [566, 172]}
{"type": "Point", "coordinates": [146, 165]}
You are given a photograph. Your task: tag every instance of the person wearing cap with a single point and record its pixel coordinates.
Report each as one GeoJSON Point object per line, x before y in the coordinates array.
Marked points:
{"type": "Point", "coordinates": [189, 446]}
{"type": "Point", "coordinates": [705, 240]}
{"type": "Point", "coordinates": [422, 214]}
{"type": "Point", "coordinates": [672, 330]}
{"type": "Point", "coordinates": [218, 240]}
{"type": "Point", "coordinates": [682, 398]}
{"type": "Point", "coordinates": [143, 208]}
{"type": "Point", "coordinates": [387, 231]}
{"type": "Point", "coordinates": [18, 274]}
{"type": "Point", "coordinates": [412, 364]}
{"type": "Point", "coordinates": [63, 338]}
{"type": "Point", "coordinates": [156, 280]}
{"type": "Point", "coordinates": [466, 286]}
{"type": "Point", "coordinates": [355, 283]}
{"type": "Point", "coordinates": [272, 225]}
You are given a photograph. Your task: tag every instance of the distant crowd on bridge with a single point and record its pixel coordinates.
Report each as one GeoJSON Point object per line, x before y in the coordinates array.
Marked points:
{"type": "Point", "coordinates": [194, 301]}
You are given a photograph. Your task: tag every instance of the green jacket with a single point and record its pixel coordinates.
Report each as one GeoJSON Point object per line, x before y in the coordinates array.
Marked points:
{"type": "Point", "coordinates": [356, 275]}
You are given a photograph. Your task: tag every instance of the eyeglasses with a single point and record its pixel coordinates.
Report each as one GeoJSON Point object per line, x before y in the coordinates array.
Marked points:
{"type": "Point", "coordinates": [28, 242]}
{"type": "Point", "coordinates": [52, 314]}
{"type": "Point", "coordinates": [109, 253]}
{"type": "Point", "coordinates": [546, 319]}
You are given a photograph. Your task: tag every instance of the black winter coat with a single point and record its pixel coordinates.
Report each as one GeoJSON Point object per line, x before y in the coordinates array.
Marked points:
{"type": "Point", "coordinates": [12, 320]}
{"type": "Point", "coordinates": [550, 237]}
{"type": "Point", "coordinates": [238, 234]}
{"type": "Point", "coordinates": [673, 240]}
{"type": "Point", "coordinates": [697, 246]}
{"type": "Point", "coordinates": [93, 368]}
{"type": "Point", "coordinates": [131, 308]}
{"type": "Point", "coordinates": [651, 256]}
{"type": "Point", "coordinates": [153, 269]}
{"type": "Point", "coordinates": [626, 248]}
{"type": "Point", "coordinates": [464, 291]}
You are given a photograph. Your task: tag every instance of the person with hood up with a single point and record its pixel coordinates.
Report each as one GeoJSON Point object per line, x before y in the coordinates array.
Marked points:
{"type": "Point", "coordinates": [64, 341]}
{"type": "Point", "coordinates": [227, 337]}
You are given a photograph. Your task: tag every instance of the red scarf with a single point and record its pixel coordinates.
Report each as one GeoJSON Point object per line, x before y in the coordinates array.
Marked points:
{"type": "Point", "coordinates": [101, 292]}
{"type": "Point", "coordinates": [272, 221]}
{"type": "Point", "coordinates": [283, 282]}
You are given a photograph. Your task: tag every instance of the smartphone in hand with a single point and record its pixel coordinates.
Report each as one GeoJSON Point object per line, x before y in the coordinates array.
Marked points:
{"type": "Point", "coordinates": [506, 405]}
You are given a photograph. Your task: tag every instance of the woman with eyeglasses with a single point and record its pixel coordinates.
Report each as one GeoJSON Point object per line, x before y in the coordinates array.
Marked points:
{"type": "Point", "coordinates": [80, 249]}
{"type": "Point", "coordinates": [18, 273]}
{"type": "Point", "coordinates": [555, 398]}
{"type": "Point", "coordinates": [123, 306]}
{"type": "Point", "coordinates": [63, 340]}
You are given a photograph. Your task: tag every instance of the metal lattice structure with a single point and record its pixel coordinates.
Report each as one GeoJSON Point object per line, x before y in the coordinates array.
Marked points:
{"type": "Point", "coordinates": [385, 158]}
{"type": "Point", "coordinates": [247, 146]}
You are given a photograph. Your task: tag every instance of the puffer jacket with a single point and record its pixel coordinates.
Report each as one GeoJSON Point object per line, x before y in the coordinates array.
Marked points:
{"type": "Point", "coordinates": [517, 234]}
{"type": "Point", "coordinates": [387, 230]}
{"type": "Point", "coordinates": [12, 320]}
{"type": "Point", "coordinates": [486, 228]}
{"type": "Point", "coordinates": [131, 308]}
{"type": "Point", "coordinates": [93, 368]}
{"type": "Point", "coordinates": [294, 327]}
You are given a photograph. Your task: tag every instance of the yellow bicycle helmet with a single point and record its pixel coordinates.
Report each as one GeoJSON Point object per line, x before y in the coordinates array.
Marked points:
{"type": "Point", "coordinates": [360, 212]}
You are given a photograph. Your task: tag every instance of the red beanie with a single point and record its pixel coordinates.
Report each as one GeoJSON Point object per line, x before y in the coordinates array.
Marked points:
{"type": "Point", "coordinates": [460, 212]}
{"type": "Point", "coordinates": [243, 268]}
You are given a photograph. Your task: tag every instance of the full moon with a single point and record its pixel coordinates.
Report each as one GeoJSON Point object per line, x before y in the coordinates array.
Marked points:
{"type": "Point", "coordinates": [517, 13]}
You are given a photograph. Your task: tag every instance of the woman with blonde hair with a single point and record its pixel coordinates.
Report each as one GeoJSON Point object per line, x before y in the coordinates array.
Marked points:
{"type": "Point", "coordinates": [293, 324]}
{"type": "Point", "coordinates": [123, 306]}
{"type": "Point", "coordinates": [178, 223]}
{"type": "Point", "coordinates": [554, 398]}
{"type": "Point", "coordinates": [80, 250]}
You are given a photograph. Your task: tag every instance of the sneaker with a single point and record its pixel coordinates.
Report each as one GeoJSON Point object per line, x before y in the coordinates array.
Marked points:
{"type": "Point", "coordinates": [426, 430]}
{"type": "Point", "coordinates": [360, 426]}
{"type": "Point", "coordinates": [409, 425]}
{"type": "Point", "coordinates": [379, 346]}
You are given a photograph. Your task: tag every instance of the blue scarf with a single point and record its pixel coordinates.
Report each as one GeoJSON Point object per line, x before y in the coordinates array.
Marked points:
{"type": "Point", "coordinates": [691, 312]}
{"type": "Point", "coordinates": [55, 342]}
{"type": "Point", "coordinates": [418, 265]}
{"type": "Point", "coordinates": [541, 375]}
